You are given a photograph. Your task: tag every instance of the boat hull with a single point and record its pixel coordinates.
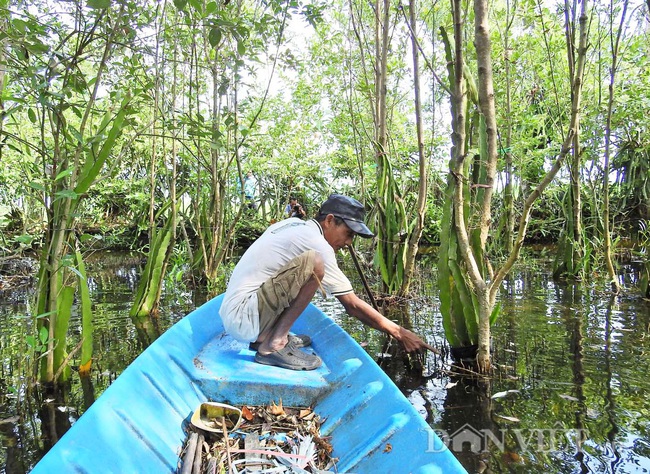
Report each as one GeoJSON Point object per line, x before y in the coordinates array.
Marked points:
{"type": "Point", "coordinates": [137, 424]}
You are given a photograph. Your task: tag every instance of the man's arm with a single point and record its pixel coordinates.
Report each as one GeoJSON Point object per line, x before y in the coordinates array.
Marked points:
{"type": "Point", "coordinates": [365, 313]}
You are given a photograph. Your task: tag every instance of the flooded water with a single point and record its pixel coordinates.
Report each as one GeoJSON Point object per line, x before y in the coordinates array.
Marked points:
{"type": "Point", "coordinates": [568, 394]}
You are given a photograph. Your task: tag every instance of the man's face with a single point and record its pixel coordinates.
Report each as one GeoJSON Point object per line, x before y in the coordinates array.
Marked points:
{"type": "Point", "coordinates": [338, 236]}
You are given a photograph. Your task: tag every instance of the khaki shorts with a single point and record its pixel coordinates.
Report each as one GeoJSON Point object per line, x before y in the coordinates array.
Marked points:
{"type": "Point", "coordinates": [277, 293]}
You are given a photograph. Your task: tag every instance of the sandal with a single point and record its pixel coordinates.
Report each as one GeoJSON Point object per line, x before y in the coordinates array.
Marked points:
{"type": "Point", "coordinates": [300, 340]}
{"type": "Point", "coordinates": [289, 357]}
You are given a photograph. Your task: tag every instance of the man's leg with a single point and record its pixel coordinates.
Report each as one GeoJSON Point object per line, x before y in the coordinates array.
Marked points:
{"type": "Point", "coordinates": [275, 337]}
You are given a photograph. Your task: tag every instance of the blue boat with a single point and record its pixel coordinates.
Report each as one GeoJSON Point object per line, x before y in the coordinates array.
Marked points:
{"type": "Point", "coordinates": [136, 425]}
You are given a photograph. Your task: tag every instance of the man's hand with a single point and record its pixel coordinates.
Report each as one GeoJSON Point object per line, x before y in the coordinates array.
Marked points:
{"type": "Point", "coordinates": [412, 342]}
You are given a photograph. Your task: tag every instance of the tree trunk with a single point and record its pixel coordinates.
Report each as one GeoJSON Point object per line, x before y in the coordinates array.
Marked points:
{"type": "Point", "coordinates": [615, 286]}
{"type": "Point", "coordinates": [508, 192]}
{"type": "Point", "coordinates": [485, 293]}
{"type": "Point", "coordinates": [416, 233]}
{"type": "Point", "coordinates": [385, 244]}
{"type": "Point", "coordinates": [569, 261]}
{"type": "Point", "coordinates": [84, 160]}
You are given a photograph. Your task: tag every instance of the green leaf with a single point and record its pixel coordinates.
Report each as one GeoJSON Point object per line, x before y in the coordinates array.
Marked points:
{"type": "Point", "coordinates": [43, 335]}
{"type": "Point", "coordinates": [496, 311]}
{"type": "Point", "coordinates": [19, 25]}
{"type": "Point", "coordinates": [197, 6]}
{"type": "Point", "coordinates": [94, 162]}
{"type": "Point", "coordinates": [83, 238]}
{"type": "Point", "coordinates": [180, 4]}
{"type": "Point", "coordinates": [75, 133]}
{"type": "Point", "coordinates": [215, 36]}
{"type": "Point", "coordinates": [25, 239]}
{"type": "Point", "coordinates": [98, 4]}
{"type": "Point", "coordinates": [148, 293]}
{"type": "Point", "coordinates": [77, 272]}
{"type": "Point", "coordinates": [36, 186]}
{"type": "Point", "coordinates": [31, 341]}
{"type": "Point", "coordinates": [66, 193]}
{"type": "Point", "coordinates": [45, 315]}
{"type": "Point", "coordinates": [63, 174]}
{"type": "Point", "coordinates": [241, 48]}
{"type": "Point", "coordinates": [211, 8]}
{"type": "Point", "coordinates": [32, 115]}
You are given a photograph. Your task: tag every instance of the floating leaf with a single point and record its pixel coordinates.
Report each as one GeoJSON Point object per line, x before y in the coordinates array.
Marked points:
{"type": "Point", "coordinates": [569, 397]}
{"type": "Point", "coordinates": [503, 394]}
{"type": "Point", "coordinates": [388, 448]}
{"type": "Point", "coordinates": [509, 418]}
{"type": "Point", "coordinates": [510, 457]}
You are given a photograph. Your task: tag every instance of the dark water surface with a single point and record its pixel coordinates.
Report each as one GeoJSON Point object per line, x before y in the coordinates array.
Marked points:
{"type": "Point", "coordinates": [568, 395]}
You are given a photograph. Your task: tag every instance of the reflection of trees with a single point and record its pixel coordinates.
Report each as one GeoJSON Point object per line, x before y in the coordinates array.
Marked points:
{"type": "Point", "coordinates": [147, 328]}
{"type": "Point", "coordinates": [11, 434]}
{"type": "Point", "coordinates": [54, 422]}
{"type": "Point", "coordinates": [468, 405]}
{"type": "Point", "coordinates": [574, 321]}
{"type": "Point", "coordinates": [88, 391]}
{"type": "Point", "coordinates": [580, 363]}
{"type": "Point", "coordinates": [609, 396]}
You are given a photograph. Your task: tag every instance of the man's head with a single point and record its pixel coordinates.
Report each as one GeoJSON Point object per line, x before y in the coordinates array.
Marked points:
{"type": "Point", "coordinates": [349, 210]}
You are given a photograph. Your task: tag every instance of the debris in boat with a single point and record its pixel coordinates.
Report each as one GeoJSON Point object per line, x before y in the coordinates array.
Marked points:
{"type": "Point", "coordinates": [213, 416]}
{"type": "Point", "coordinates": [261, 439]}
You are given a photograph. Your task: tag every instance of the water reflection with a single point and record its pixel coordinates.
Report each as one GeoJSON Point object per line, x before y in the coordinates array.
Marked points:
{"type": "Point", "coordinates": [32, 417]}
{"type": "Point", "coordinates": [569, 392]}
{"type": "Point", "coordinates": [572, 364]}
{"type": "Point", "coordinates": [610, 401]}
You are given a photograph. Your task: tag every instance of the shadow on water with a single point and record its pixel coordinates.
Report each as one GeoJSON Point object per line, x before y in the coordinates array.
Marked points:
{"type": "Point", "coordinates": [568, 393]}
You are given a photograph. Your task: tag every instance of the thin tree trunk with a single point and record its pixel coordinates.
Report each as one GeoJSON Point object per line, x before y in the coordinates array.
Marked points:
{"type": "Point", "coordinates": [174, 151]}
{"type": "Point", "coordinates": [60, 213]}
{"type": "Point", "coordinates": [384, 236]}
{"type": "Point", "coordinates": [416, 233]}
{"type": "Point", "coordinates": [4, 24]}
{"type": "Point", "coordinates": [608, 134]}
{"type": "Point", "coordinates": [570, 257]}
{"type": "Point", "coordinates": [486, 293]}
{"type": "Point", "coordinates": [487, 107]}
{"type": "Point", "coordinates": [509, 224]}
{"type": "Point", "coordinates": [564, 151]}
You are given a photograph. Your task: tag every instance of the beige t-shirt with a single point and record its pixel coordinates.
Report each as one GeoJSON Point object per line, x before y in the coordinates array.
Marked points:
{"type": "Point", "coordinates": [279, 244]}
